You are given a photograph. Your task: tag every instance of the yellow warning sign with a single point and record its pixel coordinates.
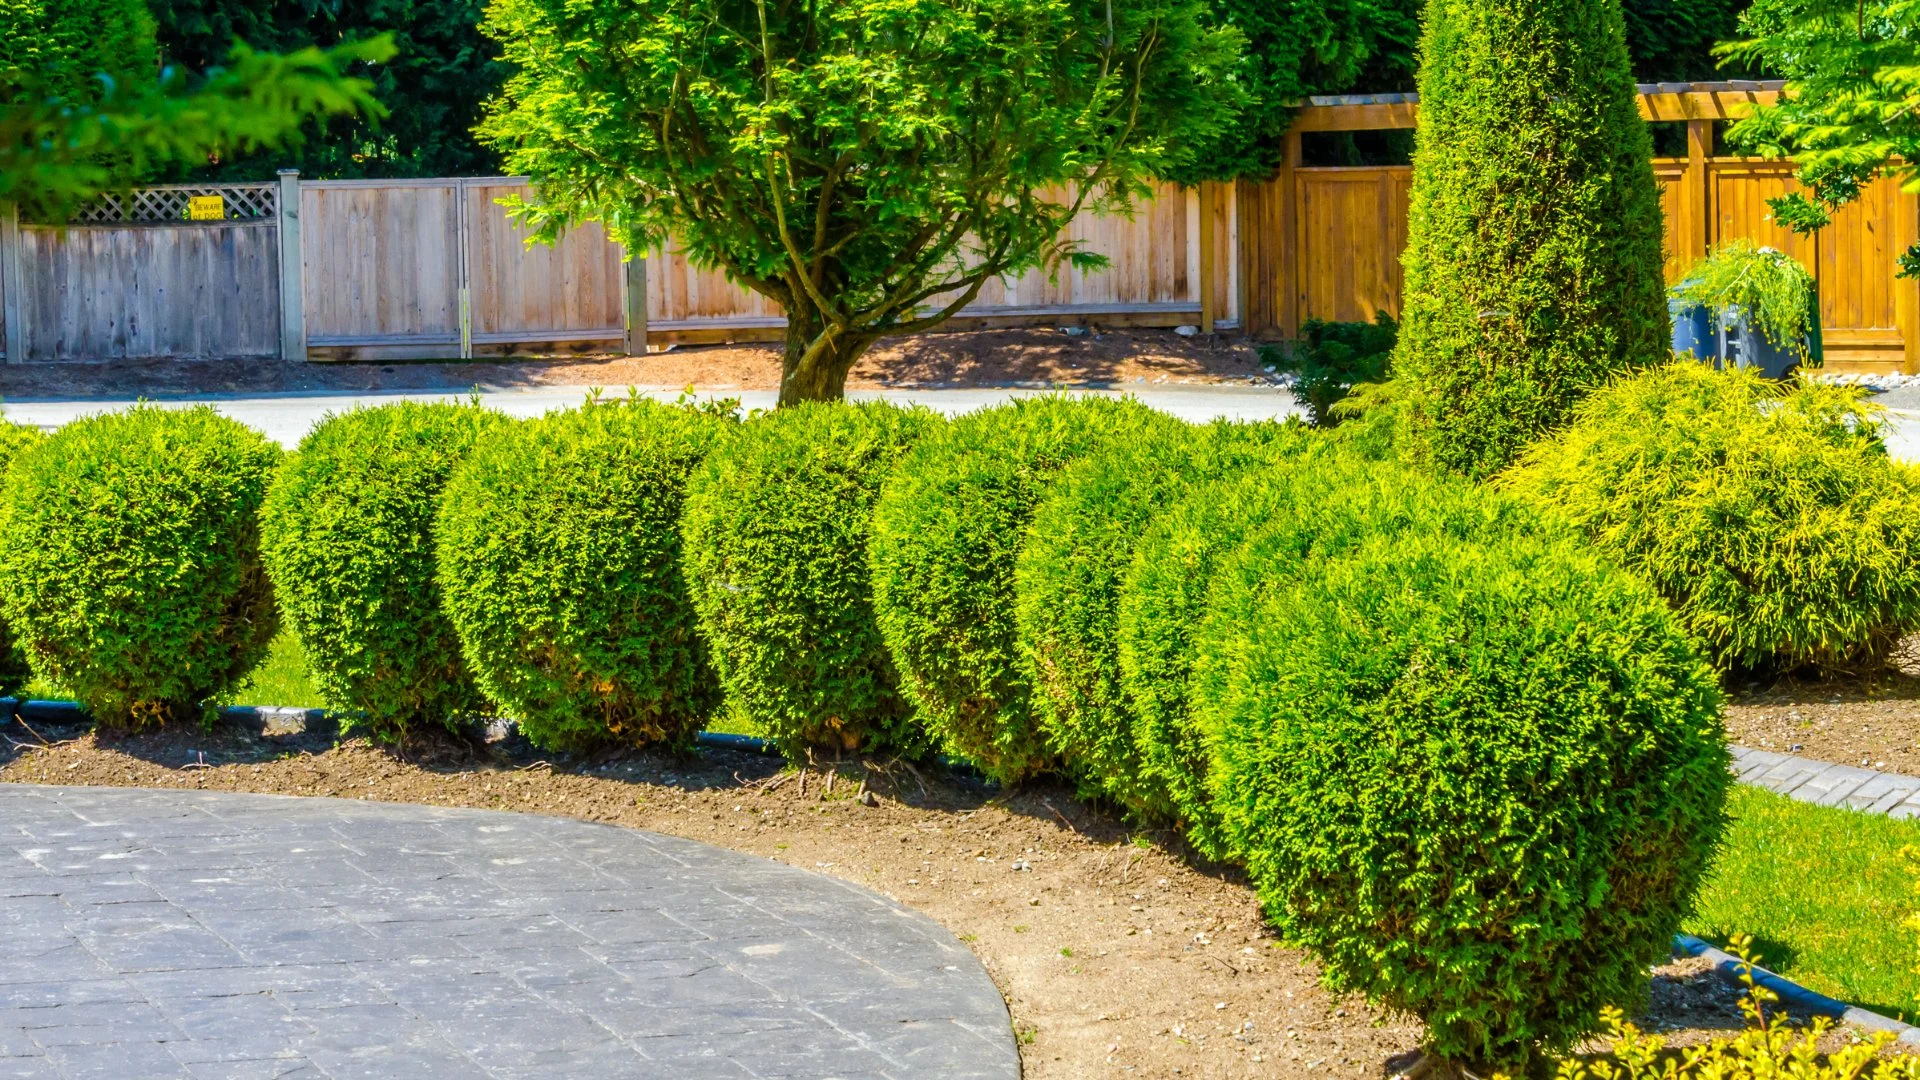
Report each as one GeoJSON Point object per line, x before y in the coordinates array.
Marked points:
{"type": "Point", "coordinates": [207, 208]}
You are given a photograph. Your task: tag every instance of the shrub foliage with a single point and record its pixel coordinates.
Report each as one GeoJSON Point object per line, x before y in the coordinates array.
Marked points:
{"type": "Point", "coordinates": [1770, 518]}
{"type": "Point", "coordinates": [946, 534]}
{"type": "Point", "coordinates": [15, 439]}
{"type": "Point", "coordinates": [776, 529]}
{"type": "Point", "coordinates": [1196, 576]}
{"type": "Point", "coordinates": [132, 572]}
{"type": "Point", "coordinates": [1533, 265]}
{"type": "Point", "coordinates": [348, 534]}
{"type": "Point", "coordinates": [559, 561]}
{"type": "Point", "coordinates": [1478, 782]}
{"type": "Point", "coordinates": [1067, 586]}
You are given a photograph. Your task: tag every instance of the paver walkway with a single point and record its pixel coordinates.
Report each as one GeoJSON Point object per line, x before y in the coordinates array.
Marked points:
{"type": "Point", "coordinates": [1826, 784]}
{"type": "Point", "coordinates": [151, 934]}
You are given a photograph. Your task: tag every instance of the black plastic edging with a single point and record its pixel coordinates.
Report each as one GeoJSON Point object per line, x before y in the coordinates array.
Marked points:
{"type": "Point", "coordinates": [1795, 996]}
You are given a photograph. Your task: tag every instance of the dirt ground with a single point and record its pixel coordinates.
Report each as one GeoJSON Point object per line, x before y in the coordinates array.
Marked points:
{"type": "Point", "coordinates": [1871, 720]}
{"type": "Point", "coordinates": [1117, 954]}
{"type": "Point", "coordinates": [941, 359]}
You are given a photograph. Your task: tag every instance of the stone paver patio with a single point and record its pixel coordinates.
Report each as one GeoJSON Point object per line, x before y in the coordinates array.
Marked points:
{"type": "Point", "coordinates": [151, 934]}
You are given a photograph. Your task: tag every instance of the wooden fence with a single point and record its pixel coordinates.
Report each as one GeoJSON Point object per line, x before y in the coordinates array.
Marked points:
{"type": "Point", "coordinates": [1325, 242]}
{"type": "Point", "coordinates": [435, 269]}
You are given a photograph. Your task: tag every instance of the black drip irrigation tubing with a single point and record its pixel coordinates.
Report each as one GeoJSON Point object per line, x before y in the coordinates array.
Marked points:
{"type": "Point", "coordinates": [1794, 996]}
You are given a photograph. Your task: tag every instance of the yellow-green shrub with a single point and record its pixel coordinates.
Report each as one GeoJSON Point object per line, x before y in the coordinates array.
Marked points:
{"type": "Point", "coordinates": [1770, 517]}
{"type": "Point", "coordinates": [776, 531]}
{"type": "Point", "coordinates": [1067, 582]}
{"type": "Point", "coordinates": [559, 566]}
{"type": "Point", "coordinates": [348, 538]}
{"type": "Point", "coordinates": [946, 533]}
{"type": "Point", "coordinates": [15, 439]}
{"type": "Point", "coordinates": [131, 572]}
{"type": "Point", "coordinates": [1478, 782]}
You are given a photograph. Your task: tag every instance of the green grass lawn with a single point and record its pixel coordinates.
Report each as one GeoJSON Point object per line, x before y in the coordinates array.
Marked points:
{"type": "Point", "coordinates": [1823, 892]}
{"type": "Point", "coordinates": [281, 679]}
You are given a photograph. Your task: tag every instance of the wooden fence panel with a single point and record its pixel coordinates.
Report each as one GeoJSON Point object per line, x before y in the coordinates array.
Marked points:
{"type": "Point", "coordinates": [571, 290]}
{"type": "Point", "coordinates": [207, 291]}
{"type": "Point", "coordinates": [1351, 229]}
{"type": "Point", "coordinates": [382, 263]}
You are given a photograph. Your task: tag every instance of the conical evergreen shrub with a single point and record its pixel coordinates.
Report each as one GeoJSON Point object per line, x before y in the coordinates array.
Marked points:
{"type": "Point", "coordinates": [1533, 261]}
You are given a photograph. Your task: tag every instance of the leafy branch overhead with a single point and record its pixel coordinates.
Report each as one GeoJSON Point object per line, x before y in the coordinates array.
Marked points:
{"type": "Point", "coordinates": [1849, 109]}
{"type": "Point", "coordinates": [868, 165]}
{"type": "Point", "coordinates": [58, 148]}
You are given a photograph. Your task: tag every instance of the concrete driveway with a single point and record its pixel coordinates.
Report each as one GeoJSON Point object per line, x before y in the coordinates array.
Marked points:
{"type": "Point", "coordinates": [287, 417]}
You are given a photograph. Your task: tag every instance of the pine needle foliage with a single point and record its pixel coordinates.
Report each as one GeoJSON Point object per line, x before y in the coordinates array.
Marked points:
{"type": "Point", "coordinates": [349, 540]}
{"type": "Point", "coordinates": [1067, 586]}
{"type": "Point", "coordinates": [1479, 782]}
{"type": "Point", "coordinates": [1533, 258]}
{"type": "Point", "coordinates": [559, 561]}
{"type": "Point", "coordinates": [132, 574]}
{"type": "Point", "coordinates": [776, 531]}
{"type": "Point", "coordinates": [947, 534]}
{"type": "Point", "coordinates": [1770, 517]}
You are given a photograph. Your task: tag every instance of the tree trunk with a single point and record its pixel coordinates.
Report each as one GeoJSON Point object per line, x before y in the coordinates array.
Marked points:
{"type": "Point", "coordinates": [821, 376]}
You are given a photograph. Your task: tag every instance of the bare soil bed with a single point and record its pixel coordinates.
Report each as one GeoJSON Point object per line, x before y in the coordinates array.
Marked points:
{"type": "Point", "coordinates": [1117, 954]}
{"type": "Point", "coordinates": [940, 359]}
{"type": "Point", "coordinates": [1871, 720]}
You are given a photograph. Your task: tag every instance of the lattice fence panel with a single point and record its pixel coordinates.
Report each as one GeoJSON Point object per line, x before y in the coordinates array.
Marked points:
{"type": "Point", "coordinates": [171, 205]}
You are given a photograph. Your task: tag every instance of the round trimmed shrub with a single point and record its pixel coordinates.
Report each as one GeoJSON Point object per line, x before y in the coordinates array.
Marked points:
{"type": "Point", "coordinates": [348, 534]}
{"type": "Point", "coordinates": [946, 532]}
{"type": "Point", "coordinates": [776, 531]}
{"type": "Point", "coordinates": [1067, 582]}
{"type": "Point", "coordinates": [131, 573]}
{"type": "Point", "coordinates": [1770, 518]}
{"type": "Point", "coordinates": [15, 439]}
{"type": "Point", "coordinates": [559, 565]}
{"type": "Point", "coordinates": [1478, 782]}
{"type": "Point", "coordinates": [1198, 567]}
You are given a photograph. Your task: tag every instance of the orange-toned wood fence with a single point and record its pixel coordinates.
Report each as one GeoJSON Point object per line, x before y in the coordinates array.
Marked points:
{"type": "Point", "coordinates": [1325, 242]}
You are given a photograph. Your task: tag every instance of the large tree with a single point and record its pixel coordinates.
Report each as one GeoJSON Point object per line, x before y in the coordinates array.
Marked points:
{"type": "Point", "coordinates": [866, 164]}
{"type": "Point", "coordinates": [1533, 264]}
{"type": "Point", "coordinates": [1851, 107]}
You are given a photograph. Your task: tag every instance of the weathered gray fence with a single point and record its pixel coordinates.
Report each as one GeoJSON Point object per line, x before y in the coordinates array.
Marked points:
{"type": "Point", "coordinates": [405, 269]}
{"type": "Point", "coordinates": [135, 277]}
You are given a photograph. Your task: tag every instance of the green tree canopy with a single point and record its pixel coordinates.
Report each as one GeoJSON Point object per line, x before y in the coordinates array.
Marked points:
{"type": "Point", "coordinates": [433, 85]}
{"type": "Point", "coordinates": [59, 149]}
{"type": "Point", "coordinates": [865, 164]}
{"type": "Point", "coordinates": [1533, 265]}
{"type": "Point", "coordinates": [80, 50]}
{"type": "Point", "coordinates": [1851, 107]}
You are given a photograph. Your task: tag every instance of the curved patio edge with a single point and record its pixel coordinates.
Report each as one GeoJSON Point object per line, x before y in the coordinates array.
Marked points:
{"type": "Point", "coordinates": [165, 933]}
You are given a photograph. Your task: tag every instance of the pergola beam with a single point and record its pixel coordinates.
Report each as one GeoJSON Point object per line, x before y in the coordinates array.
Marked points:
{"type": "Point", "coordinates": [1658, 101]}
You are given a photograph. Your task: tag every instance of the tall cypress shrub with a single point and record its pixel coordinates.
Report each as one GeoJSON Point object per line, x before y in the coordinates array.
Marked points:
{"type": "Point", "coordinates": [1533, 262]}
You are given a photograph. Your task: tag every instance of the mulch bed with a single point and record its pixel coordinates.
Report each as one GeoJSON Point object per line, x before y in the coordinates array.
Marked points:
{"type": "Point", "coordinates": [940, 359]}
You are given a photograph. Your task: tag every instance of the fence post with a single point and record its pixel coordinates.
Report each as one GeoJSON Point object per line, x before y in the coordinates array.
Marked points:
{"type": "Point", "coordinates": [293, 308]}
{"type": "Point", "coordinates": [636, 268]}
{"type": "Point", "coordinates": [13, 290]}
{"type": "Point", "coordinates": [1906, 291]}
{"type": "Point", "coordinates": [1696, 195]}
{"type": "Point", "coordinates": [1207, 260]}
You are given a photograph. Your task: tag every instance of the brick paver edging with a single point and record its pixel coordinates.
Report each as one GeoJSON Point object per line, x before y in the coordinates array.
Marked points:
{"type": "Point", "coordinates": [154, 934]}
{"type": "Point", "coordinates": [1826, 784]}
